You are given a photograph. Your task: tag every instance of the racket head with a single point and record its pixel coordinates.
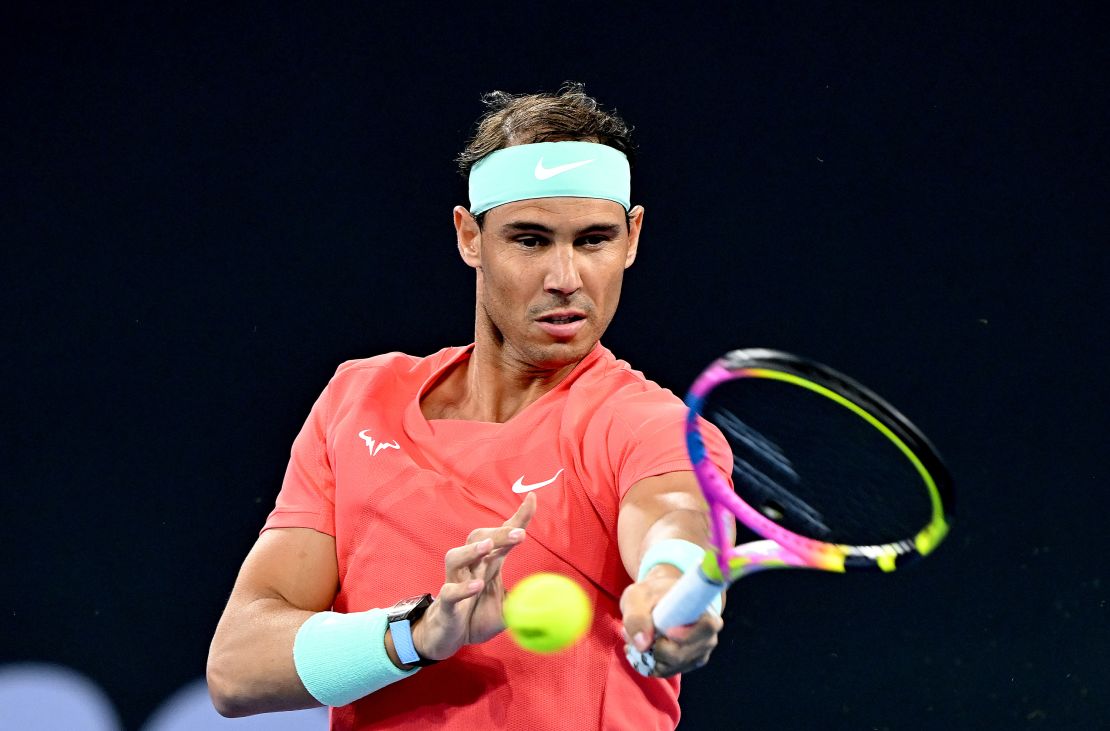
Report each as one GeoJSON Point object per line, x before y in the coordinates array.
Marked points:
{"type": "Point", "coordinates": [797, 481]}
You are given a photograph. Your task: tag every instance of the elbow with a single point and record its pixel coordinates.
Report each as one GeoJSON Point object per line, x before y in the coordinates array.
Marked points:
{"type": "Point", "coordinates": [227, 697]}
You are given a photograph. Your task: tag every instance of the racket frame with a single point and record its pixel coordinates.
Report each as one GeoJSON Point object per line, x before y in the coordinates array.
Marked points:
{"type": "Point", "coordinates": [780, 547]}
{"type": "Point", "coordinates": [729, 563]}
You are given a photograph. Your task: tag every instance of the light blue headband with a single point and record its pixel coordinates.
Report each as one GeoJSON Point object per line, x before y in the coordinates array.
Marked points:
{"type": "Point", "coordinates": [549, 170]}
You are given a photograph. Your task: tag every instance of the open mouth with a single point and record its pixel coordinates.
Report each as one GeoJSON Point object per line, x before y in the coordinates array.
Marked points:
{"type": "Point", "coordinates": [562, 319]}
{"type": "Point", "coordinates": [562, 325]}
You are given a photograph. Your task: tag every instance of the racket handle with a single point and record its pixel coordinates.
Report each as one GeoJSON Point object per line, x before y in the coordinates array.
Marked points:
{"type": "Point", "coordinates": [690, 596]}
{"type": "Point", "coordinates": [687, 599]}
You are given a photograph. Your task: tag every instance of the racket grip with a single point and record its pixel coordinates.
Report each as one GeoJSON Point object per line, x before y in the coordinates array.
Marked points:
{"type": "Point", "coordinates": [687, 599]}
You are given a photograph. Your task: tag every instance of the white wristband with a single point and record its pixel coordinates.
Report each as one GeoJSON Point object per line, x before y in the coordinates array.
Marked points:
{"type": "Point", "coordinates": [342, 657]}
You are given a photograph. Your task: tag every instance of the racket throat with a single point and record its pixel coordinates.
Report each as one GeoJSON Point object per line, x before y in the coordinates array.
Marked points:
{"type": "Point", "coordinates": [758, 556]}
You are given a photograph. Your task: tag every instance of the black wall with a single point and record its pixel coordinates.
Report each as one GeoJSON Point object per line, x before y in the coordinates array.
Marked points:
{"type": "Point", "coordinates": [205, 210]}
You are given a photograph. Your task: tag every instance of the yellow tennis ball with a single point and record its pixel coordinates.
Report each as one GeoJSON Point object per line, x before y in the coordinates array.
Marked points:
{"type": "Point", "coordinates": [547, 612]}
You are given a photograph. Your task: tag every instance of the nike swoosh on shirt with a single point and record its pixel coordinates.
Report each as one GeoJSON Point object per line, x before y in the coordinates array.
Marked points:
{"type": "Point", "coordinates": [543, 173]}
{"type": "Point", "coordinates": [519, 485]}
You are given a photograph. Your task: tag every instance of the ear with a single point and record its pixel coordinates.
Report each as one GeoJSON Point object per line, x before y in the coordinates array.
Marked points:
{"type": "Point", "coordinates": [468, 236]}
{"type": "Point", "coordinates": [635, 223]}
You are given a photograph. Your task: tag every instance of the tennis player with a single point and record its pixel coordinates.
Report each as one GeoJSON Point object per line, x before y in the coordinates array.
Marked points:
{"type": "Point", "coordinates": [421, 488]}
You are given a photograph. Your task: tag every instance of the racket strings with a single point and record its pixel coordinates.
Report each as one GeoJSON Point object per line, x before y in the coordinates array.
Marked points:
{"type": "Point", "coordinates": [817, 468]}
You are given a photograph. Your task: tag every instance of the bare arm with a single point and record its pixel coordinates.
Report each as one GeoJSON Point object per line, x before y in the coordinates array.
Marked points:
{"type": "Point", "coordinates": [290, 574]}
{"type": "Point", "coordinates": [655, 509]}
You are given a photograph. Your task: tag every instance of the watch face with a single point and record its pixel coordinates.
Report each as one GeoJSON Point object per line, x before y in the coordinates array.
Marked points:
{"type": "Point", "coordinates": [405, 608]}
{"type": "Point", "coordinates": [407, 604]}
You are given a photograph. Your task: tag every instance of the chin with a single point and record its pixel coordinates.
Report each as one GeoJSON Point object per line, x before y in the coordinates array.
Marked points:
{"type": "Point", "coordinates": [559, 354]}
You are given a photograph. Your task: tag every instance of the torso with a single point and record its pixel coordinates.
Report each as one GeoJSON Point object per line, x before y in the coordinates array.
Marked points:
{"type": "Point", "coordinates": [409, 487]}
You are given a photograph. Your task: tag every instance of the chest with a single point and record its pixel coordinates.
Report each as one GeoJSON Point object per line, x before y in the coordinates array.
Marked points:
{"type": "Point", "coordinates": [405, 495]}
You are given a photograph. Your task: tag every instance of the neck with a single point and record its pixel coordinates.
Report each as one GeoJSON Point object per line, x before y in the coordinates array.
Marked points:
{"type": "Point", "coordinates": [493, 385]}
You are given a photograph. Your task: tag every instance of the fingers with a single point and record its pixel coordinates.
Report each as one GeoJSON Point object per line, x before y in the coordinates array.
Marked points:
{"type": "Point", "coordinates": [452, 593]}
{"type": "Point", "coordinates": [514, 526]}
{"type": "Point", "coordinates": [637, 601]}
{"type": "Point", "coordinates": [501, 540]}
{"type": "Point", "coordinates": [683, 649]}
{"type": "Point", "coordinates": [679, 649]}
{"type": "Point", "coordinates": [485, 551]}
{"type": "Point", "coordinates": [639, 630]}
{"type": "Point", "coordinates": [443, 629]}
{"type": "Point", "coordinates": [469, 553]}
{"type": "Point", "coordinates": [523, 514]}
{"type": "Point", "coordinates": [708, 625]}
{"type": "Point", "coordinates": [468, 607]}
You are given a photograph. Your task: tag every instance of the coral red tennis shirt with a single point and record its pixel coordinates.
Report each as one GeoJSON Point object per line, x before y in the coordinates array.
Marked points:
{"type": "Point", "coordinates": [397, 491]}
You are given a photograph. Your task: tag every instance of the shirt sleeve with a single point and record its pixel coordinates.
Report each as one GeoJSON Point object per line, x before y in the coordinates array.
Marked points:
{"type": "Point", "coordinates": [307, 497]}
{"type": "Point", "coordinates": [657, 445]}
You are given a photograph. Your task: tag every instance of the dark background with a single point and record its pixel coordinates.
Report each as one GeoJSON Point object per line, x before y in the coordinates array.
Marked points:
{"type": "Point", "coordinates": [205, 210]}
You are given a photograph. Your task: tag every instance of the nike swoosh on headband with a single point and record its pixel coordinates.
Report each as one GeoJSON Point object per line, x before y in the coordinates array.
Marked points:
{"type": "Point", "coordinates": [543, 173]}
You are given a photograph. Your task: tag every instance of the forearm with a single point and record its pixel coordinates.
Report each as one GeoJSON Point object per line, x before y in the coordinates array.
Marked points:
{"type": "Point", "coordinates": [657, 509]}
{"type": "Point", "coordinates": [277, 648]}
{"type": "Point", "coordinates": [690, 527]}
{"type": "Point", "coordinates": [663, 529]}
{"type": "Point", "coordinates": [663, 526]}
{"type": "Point", "coordinates": [685, 524]}
{"type": "Point", "coordinates": [250, 662]}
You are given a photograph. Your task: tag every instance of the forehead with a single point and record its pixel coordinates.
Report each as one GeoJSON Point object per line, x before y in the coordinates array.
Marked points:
{"type": "Point", "coordinates": [556, 213]}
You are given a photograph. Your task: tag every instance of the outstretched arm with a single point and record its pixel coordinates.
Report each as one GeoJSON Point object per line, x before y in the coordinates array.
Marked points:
{"type": "Point", "coordinates": [658, 508]}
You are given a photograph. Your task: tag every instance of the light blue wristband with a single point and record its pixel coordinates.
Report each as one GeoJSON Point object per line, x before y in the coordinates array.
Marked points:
{"type": "Point", "coordinates": [679, 553]}
{"type": "Point", "coordinates": [341, 657]}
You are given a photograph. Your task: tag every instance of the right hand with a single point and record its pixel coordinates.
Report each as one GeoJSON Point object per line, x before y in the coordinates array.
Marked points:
{"type": "Point", "coordinates": [679, 649]}
{"type": "Point", "coordinates": [468, 608]}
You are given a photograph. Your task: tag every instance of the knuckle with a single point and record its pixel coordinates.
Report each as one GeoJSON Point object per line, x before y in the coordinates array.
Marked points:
{"type": "Point", "coordinates": [634, 592]}
{"type": "Point", "coordinates": [628, 598]}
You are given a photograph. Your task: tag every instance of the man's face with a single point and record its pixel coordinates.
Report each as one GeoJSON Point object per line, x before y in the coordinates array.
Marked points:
{"type": "Point", "coordinates": [549, 274]}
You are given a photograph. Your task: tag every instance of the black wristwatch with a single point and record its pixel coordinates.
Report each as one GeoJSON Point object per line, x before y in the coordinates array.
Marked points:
{"type": "Point", "coordinates": [401, 617]}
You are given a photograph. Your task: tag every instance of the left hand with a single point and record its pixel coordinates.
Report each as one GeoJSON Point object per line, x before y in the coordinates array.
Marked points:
{"type": "Point", "coordinates": [468, 609]}
{"type": "Point", "coordinates": [680, 649]}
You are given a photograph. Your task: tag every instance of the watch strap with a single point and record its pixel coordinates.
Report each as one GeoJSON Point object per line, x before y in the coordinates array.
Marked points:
{"type": "Point", "coordinates": [401, 617]}
{"type": "Point", "coordinates": [402, 642]}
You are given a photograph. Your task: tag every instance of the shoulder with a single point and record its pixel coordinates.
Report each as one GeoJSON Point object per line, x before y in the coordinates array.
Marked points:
{"type": "Point", "coordinates": [362, 367]}
{"type": "Point", "coordinates": [356, 375]}
{"type": "Point", "coordinates": [618, 382]}
{"type": "Point", "coordinates": [615, 391]}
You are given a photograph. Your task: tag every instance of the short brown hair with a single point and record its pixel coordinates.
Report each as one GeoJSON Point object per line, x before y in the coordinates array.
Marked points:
{"type": "Point", "coordinates": [521, 119]}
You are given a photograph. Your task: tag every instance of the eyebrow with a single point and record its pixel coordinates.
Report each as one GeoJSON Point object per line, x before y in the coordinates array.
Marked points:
{"type": "Point", "coordinates": [512, 227]}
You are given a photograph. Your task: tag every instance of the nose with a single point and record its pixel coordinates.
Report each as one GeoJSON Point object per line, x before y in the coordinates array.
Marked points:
{"type": "Point", "coordinates": [562, 273]}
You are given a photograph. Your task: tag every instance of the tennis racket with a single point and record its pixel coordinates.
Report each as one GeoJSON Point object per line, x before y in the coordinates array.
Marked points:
{"type": "Point", "coordinates": [829, 474]}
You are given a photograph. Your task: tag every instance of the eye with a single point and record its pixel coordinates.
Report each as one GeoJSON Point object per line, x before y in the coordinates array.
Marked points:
{"type": "Point", "coordinates": [593, 240]}
{"type": "Point", "coordinates": [530, 242]}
